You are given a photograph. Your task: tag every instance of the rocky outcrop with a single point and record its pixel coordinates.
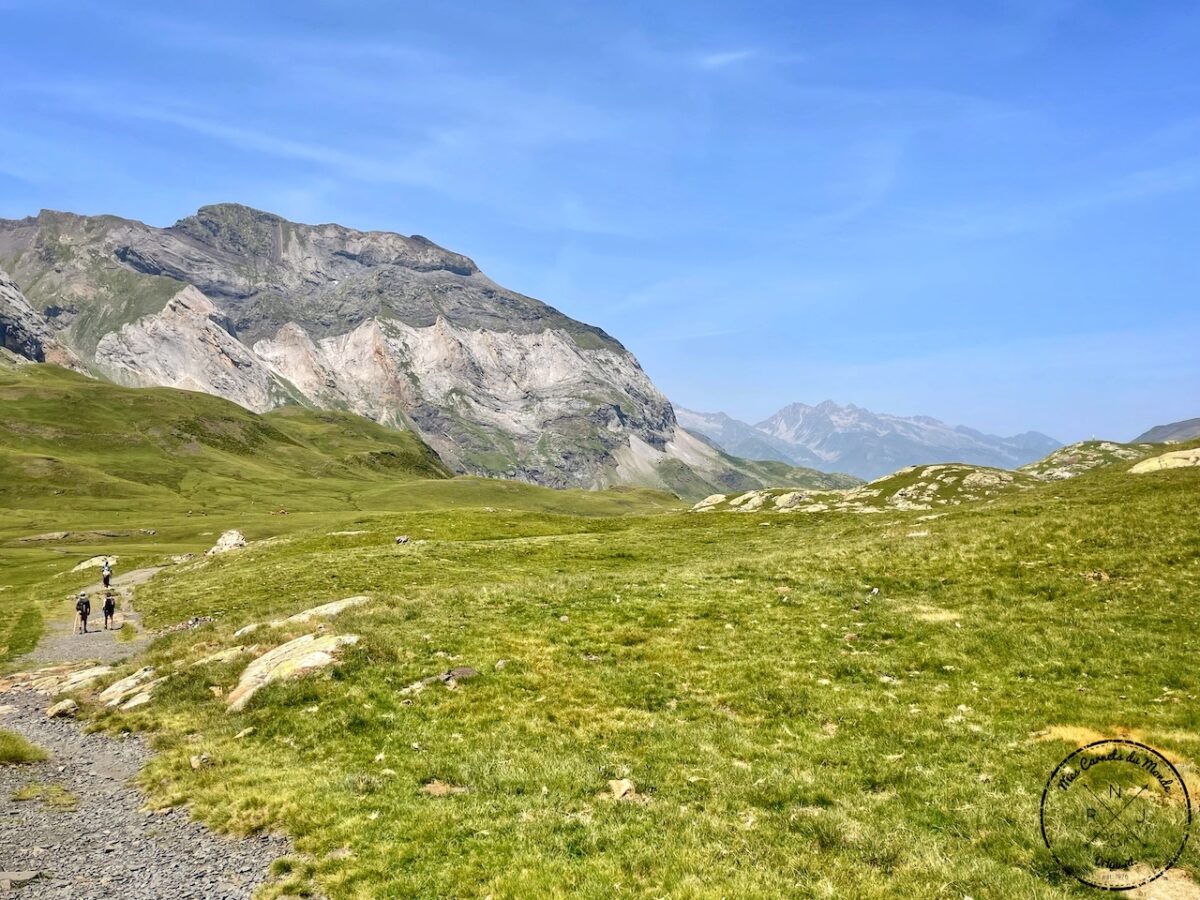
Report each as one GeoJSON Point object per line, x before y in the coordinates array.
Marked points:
{"type": "Point", "coordinates": [1075, 459]}
{"type": "Point", "coordinates": [1176, 459]}
{"type": "Point", "coordinates": [58, 679]}
{"type": "Point", "coordinates": [291, 660]}
{"type": "Point", "coordinates": [229, 541]}
{"type": "Point", "coordinates": [26, 332]}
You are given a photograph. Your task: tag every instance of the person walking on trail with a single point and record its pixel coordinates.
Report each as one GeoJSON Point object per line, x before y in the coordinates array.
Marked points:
{"type": "Point", "coordinates": [83, 609]}
{"type": "Point", "coordinates": [106, 573]}
{"type": "Point", "coordinates": [110, 610]}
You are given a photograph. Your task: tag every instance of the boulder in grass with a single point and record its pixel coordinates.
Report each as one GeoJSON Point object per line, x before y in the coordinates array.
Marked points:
{"type": "Point", "coordinates": [229, 541]}
{"type": "Point", "coordinates": [1176, 459]}
{"type": "Point", "coordinates": [291, 660]}
{"type": "Point", "coordinates": [64, 709]}
{"type": "Point", "coordinates": [118, 689]}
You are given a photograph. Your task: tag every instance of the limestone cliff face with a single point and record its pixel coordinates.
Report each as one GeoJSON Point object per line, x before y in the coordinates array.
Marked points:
{"type": "Point", "coordinates": [247, 305]}
{"type": "Point", "coordinates": [185, 346]}
{"type": "Point", "coordinates": [26, 332]}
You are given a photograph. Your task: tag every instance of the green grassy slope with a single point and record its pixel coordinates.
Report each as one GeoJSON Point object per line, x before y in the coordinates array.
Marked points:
{"type": "Point", "coordinates": [67, 440]}
{"type": "Point", "coordinates": [147, 473]}
{"type": "Point", "coordinates": [789, 734]}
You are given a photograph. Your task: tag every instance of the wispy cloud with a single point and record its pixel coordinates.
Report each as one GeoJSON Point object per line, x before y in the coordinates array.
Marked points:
{"type": "Point", "coordinates": [721, 59]}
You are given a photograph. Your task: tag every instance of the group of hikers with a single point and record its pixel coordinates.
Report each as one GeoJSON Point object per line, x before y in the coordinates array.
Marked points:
{"type": "Point", "coordinates": [83, 605]}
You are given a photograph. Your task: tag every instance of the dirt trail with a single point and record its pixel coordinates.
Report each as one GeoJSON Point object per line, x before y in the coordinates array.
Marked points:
{"type": "Point", "coordinates": [106, 846]}
{"type": "Point", "coordinates": [58, 644]}
{"type": "Point", "coordinates": [101, 844]}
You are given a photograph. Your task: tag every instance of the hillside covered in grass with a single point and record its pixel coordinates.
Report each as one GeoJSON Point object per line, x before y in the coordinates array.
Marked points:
{"type": "Point", "coordinates": [69, 440]}
{"type": "Point", "coordinates": [773, 726]}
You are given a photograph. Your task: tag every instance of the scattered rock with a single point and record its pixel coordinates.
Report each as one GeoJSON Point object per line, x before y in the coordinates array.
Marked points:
{"type": "Point", "coordinates": [245, 732]}
{"type": "Point", "coordinates": [186, 625]}
{"type": "Point", "coordinates": [227, 542]}
{"type": "Point", "coordinates": [199, 762]}
{"type": "Point", "coordinates": [182, 558]}
{"type": "Point", "coordinates": [291, 660]}
{"type": "Point", "coordinates": [500, 664]}
{"type": "Point", "coordinates": [438, 788]}
{"type": "Point", "coordinates": [64, 709]}
{"type": "Point", "coordinates": [450, 679]}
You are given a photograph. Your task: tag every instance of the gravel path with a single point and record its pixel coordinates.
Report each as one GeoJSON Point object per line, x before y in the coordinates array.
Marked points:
{"type": "Point", "coordinates": [106, 846]}
{"type": "Point", "coordinates": [58, 644]}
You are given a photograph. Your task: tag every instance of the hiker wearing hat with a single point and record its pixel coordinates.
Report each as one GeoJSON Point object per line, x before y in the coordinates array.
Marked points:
{"type": "Point", "coordinates": [83, 609]}
{"type": "Point", "coordinates": [106, 573]}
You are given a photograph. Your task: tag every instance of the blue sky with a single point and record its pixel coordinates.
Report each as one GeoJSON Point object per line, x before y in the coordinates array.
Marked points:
{"type": "Point", "coordinates": [985, 212]}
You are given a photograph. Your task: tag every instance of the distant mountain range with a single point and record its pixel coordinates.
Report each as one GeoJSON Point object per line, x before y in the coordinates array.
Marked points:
{"type": "Point", "coordinates": [1176, 431]}
{"type": "Point", "coordinates": [859, 442]}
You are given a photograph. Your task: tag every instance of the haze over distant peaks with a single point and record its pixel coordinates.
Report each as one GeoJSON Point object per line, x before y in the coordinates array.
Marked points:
{"type": "Point", "coordinates": [857, 441]}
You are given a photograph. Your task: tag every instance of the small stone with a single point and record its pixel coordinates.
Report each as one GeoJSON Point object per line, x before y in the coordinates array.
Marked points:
{"type": "Point", "coordinates": [623, 789]}
{"type": "Point", "coordinates": [438, 788]}
{"type": "Point", "coordinates": [500, 664]}
{"type": "Point", "coordinates": [199, 762]}
{"type": "Point", "coordinates": [402, 539]}
{"type": "Point", "coordinates": [64, 709]}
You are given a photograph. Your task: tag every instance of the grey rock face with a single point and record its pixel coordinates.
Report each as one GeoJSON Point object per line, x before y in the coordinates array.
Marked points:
{"type": "Point", "coordinates": [263, 311]}
{"type": "Point", "coordinates": [26, 332]}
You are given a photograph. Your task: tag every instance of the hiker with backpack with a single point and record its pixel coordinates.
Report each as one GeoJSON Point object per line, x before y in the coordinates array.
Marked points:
{"type": "Point", "coordinates": [106, 574]}
{"type": "Point", "coordinates": [83, 609]}
{"type": "Point", "coordinates": [110, 610]}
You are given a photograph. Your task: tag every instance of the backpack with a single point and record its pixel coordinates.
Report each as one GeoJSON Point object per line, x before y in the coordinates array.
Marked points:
{"type": "Point", "coordinates": [82, 606]}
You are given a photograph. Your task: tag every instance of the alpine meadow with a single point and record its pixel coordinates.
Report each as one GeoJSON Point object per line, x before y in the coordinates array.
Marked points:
{"type": "Point", "coordinates": [333, 567]}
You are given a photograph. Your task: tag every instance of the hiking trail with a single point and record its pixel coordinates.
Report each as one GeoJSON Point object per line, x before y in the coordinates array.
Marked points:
{"type": "Point", "coordinates": [86, 836]}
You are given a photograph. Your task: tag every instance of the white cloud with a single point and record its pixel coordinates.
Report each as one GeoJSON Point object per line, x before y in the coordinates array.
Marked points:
{"type": "Point", "coordinates": [721, 59]}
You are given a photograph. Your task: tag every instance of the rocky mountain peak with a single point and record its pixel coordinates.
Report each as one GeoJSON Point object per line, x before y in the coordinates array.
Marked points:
{"type": "Point", "coordinates": [848, 438]}
{"type": "Point", "coordinates": [244, 304]}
